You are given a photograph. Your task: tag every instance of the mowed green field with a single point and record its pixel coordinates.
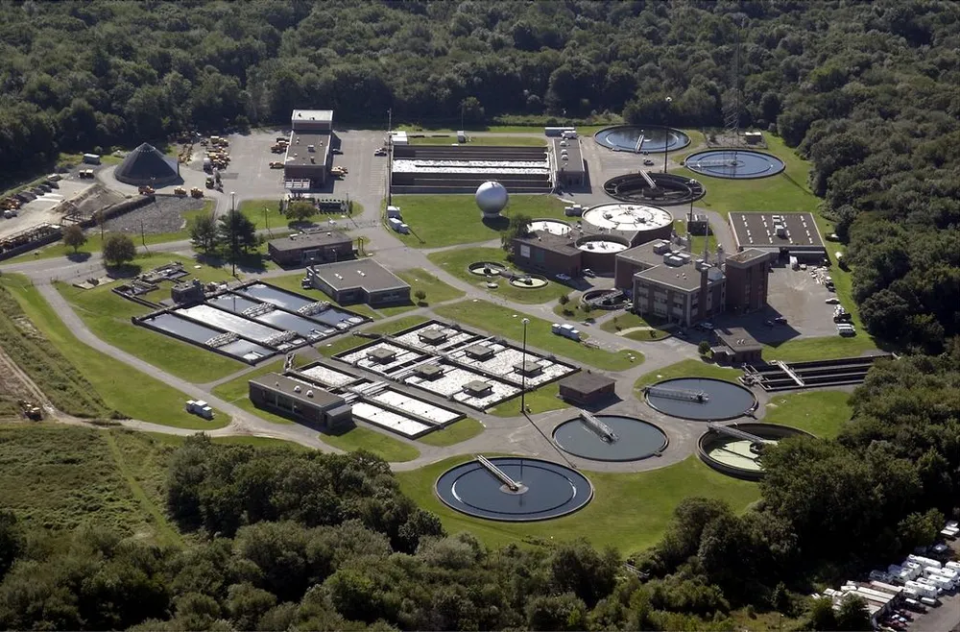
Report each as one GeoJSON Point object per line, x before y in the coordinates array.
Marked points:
{"type": "Point", "coordinates": [379, 443]}
{"type": "Point", "coordinates": [787, 191]}
{"type": "Point", "coordinates": [628, 511]}
{"type": "Point", "coordinates": [436, 221]}
{"type": "Point", "coordinates": [456, 262]}
{"type": "Point", "coordinates": [458, 432]}
{"type": "Point", "coordinates": [63, 478]}
{"type": "Point", "coordinates": [541, 400]}
{"type": "Point", "coordinates": [505, 322]}
{"type": "Point", "coordinates": [822, 413]}
{"type": "Point", "coordinates": [151, 400]}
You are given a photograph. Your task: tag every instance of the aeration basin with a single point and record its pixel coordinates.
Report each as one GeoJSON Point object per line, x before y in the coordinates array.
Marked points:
{"type": "Point", "coordinates": [634, 439]}
{"type": "Point", "coordinates": [734, 164]}
{"type": "Point", "coordinates": [700, 399]}
{"type": "Point", "coordinates": [543, 490]}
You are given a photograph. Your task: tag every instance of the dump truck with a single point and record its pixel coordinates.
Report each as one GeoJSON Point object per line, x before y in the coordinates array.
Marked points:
{"type": "Point", "coordinates": [276, 165]}
{"type": "Point", "coordinates": [179, 191]}
{"type": "Point", "coordinates": [146, 190]}
{"type": "Point", "coordinates": [209, 182]}
{"type": "Point", "coordinates": [278, 148]}
{"type": "Point", "coordinates": [30, 410]}
{"type": "Point", "coordinates": [196, 192]}
{"type": "Point", "coordinates": [85, 173]}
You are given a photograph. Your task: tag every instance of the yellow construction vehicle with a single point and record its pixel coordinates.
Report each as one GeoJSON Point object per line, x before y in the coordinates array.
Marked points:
{"type": "Point", "coordinates": [210, 182]}
{"type": "Point", "coordinates": [195, 192]}
{"type": "Point", "coordinates": [179, 191]}
{"type": "Point", "coordinates": [147, 190]}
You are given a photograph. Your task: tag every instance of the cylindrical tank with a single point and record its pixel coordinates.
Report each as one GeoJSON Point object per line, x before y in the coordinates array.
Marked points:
{"type": "Point", "coordinates": [492, 197]}
{"type": "Point", "coordinates": [599, 252]}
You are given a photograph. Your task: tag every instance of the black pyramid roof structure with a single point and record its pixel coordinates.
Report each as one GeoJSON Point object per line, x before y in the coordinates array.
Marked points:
{"type": "Point", "coordinates": [146, 165]}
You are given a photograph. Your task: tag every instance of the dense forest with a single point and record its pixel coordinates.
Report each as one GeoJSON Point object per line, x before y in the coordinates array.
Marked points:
{"type": "Point", "coordinates": [301, 540]}
{"type": "Point", "coordinates": [866, 90]}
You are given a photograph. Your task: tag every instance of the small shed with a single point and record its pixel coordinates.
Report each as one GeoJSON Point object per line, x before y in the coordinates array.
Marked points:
{"type": "Point", "coordinates": [477, 388]}
{"type": "Point", "coordinates": [381, 355]}
{"type": "Point", "coordinates": [528, 367]}
{"type": "Point", "coordinates": [736, 346]}
{"type": "Point", "coordinates": [586, 388]}
{"type": "Point", "coordinates": [479, 352]}
{"type": "Point", "coordinates": [433, 336]}
{"type": "Point", "coordinates": [428, 371]}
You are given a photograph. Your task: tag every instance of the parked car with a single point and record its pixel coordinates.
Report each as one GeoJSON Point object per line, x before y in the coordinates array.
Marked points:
{"type": "Point", "coordinates": [833, 300]}
{"type": "Point", "coordinates": [780, 320]}
{"type": "Point", "coordinates": [563, 277]}
{"type": "Point", "coordinates": [647, 162]}
{"type": "Point", "coordinates": [587, 272]}
{"type": "Point", "coordinates": [380, 152]}
{"type": "Point", "coordinates": [336, 150]}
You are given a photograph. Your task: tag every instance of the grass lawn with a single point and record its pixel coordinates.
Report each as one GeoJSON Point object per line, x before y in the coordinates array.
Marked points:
{"type": "Point", "coordinates": [292, 282]}
{"type": "Point", "coordinates": [61, 478]}
{"type": "Point", "coordinates": [688, 368]}
{"type": "Point", "coordinates": [274, 220]}
{"type": "Point", "coordinates": [628, 511]}
{"type": "Point", "coordinates": [349, 341]}
{"type": "Point", "coordinates": [698, 240]}
{"type": "Point", "coordinates": [786, 191]}
{"type": "Point", "coordinates": [625, 321]}
{"type": "Point", "coordinates": [358, 438]}
{"type": "Point", "coordinates": [95, 243]}
{"type": "Point", "coordinates": [541, 400]}
{"type": "Point", "coordinates": [455, 262]}
{"type": "Point", "coordinates": [108, 317]}
{"type": "Point", "coordinates": [493, 318]}
{"type": "Point", "coordinates": [437, 291]}
{"type": "Point", "coordinates": [466, 428]}
{"type": "Point", "coordinates": [825, 348]}
{"type": "Point", "coordinates": [445, 220]}
{"type": "Point", "coordinates": [822, 413]}
{"type": "Point", "coordinates": [151, 400]}
{"type": "Point", "coordinates": [516, 141]}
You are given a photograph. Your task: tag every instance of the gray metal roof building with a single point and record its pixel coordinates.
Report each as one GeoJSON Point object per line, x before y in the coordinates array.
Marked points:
{"type": "Point", "coordinates": [793, 234]}
{"type": "Point", "coordinates": [359, 281]}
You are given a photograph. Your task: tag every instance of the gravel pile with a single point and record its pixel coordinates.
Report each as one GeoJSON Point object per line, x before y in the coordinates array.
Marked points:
{"type": "Point", "coordinates": [164, 215]}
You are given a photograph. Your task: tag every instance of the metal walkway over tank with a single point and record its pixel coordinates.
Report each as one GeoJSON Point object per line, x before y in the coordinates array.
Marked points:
{"type": "Point", "coordinates": [678, 393]}
{"type": "Point", "coordinates": [737, 433]}
{"type": "Point", "coordinates": [602, 429]}
{"type": "Point", "coordinates": [511, 484]}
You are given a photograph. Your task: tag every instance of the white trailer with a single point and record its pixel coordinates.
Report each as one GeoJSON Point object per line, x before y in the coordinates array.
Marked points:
{"type": "Point", "coordinates": [922, 589]}
{"type": "Point", "coordinates": [884, 587]}
{"type": "Point", "coordinates": [393, 211]}
{"type": "Point", "coordinates": [924, 561]}
{"type": "Point", "coordinates": [928, 601]}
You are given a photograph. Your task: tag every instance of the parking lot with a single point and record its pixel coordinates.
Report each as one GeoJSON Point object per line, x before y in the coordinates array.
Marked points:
{"type": "Point", "coordinates": [798, 295]}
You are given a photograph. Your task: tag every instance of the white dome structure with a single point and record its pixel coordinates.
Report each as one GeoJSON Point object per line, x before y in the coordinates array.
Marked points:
{"type": "Point", "coordinates": [492, 197]}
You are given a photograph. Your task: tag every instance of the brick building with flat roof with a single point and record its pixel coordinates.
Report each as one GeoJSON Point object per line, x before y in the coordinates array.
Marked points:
{"type": "Point", "coordinates": [300, 401]}
{"type": "Point", "coordinates": [748, 274]}
{"type": "Point", "coordinates": [310, 248]}
{"type": "Point", "coordinates": [547, 253]}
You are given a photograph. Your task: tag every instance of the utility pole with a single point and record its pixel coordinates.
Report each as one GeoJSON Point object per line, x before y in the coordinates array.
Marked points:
{"type": "Point", "coordinates": [389, 155]}
{"type": "Point", "coordinates": [143, 236]}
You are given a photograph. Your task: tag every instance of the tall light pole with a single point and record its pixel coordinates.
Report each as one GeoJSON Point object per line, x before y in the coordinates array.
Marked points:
{"type": "Point", "coordinates": [666, 132]}
{"type": "Point", "coordinates": [233, 231]}
{"type": "Point", "coordinates": [523, 373]}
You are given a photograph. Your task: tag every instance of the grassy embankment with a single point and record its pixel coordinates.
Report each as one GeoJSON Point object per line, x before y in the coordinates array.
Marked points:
{"type": "Point", "coordinates": [446, 220]}
{"type": "Point", "coordinates": [628, 511]}
{"type": "Point", "coordinates": [504, 322]}
{"type": "Point", "coordinates": [119, 386]}
{"type": "Point", "coordinates": [455, 261]}
{"type": "Point", "coordinates": [643, 329]}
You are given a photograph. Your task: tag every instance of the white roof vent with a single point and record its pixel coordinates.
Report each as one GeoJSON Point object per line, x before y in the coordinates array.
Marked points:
{"type": "Point", "coordinates": [296, 389]}
{"type": "Point", "coordinates": [309, 393]}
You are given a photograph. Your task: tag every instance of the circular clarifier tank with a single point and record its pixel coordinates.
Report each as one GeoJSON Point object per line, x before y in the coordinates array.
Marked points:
{"type": "Point", "coordinates": [538, 490]}
{"type": "Point", "coordinates": [627, 138]}
{"type": "Point", "coordinates": [737, 449]}
{"type": "Point", "coordinates": [613, 438]}
{"type": "Point", "coordinates": [552, 226]}
{"type": "Point", "coordinates": [630, 218]}
{"type": "Point", "coordinates": [734, 164]}
{"type": "Point", "coordinates": [700, 399]}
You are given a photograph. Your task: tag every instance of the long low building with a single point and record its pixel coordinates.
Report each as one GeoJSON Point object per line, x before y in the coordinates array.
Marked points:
{"type": "Point", "coordinates": [307, 160]}
{"type": "Point", "coordinates": [463, 168]}
{"type": "Point", "coordinates": [359, 281]}
{"type": "Point", "coordinates": [311, 248]}
{"type": "Point", "coordinates": [300, 401]}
